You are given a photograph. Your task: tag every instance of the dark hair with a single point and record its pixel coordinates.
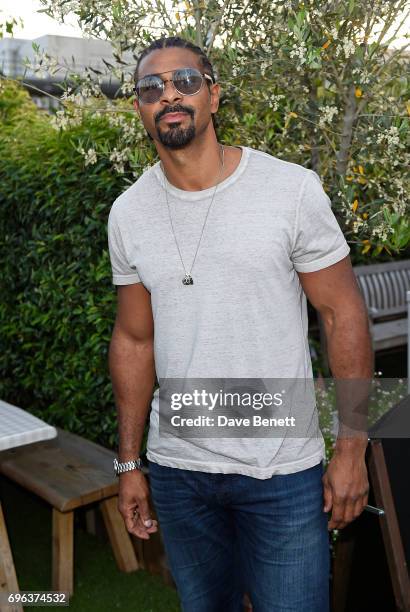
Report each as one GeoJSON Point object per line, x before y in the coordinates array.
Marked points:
{"type": "Point", "coordinates": [176, 41]}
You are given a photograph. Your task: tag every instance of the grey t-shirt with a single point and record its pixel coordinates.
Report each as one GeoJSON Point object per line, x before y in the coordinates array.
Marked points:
{"type": "Point", "coordinates": [245, 316]}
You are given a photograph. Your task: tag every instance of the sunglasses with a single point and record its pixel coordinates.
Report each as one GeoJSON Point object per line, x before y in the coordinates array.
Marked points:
{"type": "Point", "coordinates": [187, 82]}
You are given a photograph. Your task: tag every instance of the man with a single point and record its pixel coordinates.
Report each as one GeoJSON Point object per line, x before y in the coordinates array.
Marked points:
{"type": "Point", "coordinates": [214, 250]}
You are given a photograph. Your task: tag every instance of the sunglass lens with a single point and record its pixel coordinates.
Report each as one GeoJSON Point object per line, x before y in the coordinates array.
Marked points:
{"type": "Point", "coordinates": [187, 81]}
{"type": "Point", "coordinates": [149, 89]}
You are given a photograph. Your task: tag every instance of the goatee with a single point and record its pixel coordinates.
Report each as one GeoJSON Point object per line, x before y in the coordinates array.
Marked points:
{"type": "Point", "coordinates": [176, 137]}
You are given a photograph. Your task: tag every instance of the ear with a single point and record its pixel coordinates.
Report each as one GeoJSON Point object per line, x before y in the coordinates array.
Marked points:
{"type": "Point", "coordinates": [215, 92]}
{"type": "Point", "coordinates": [137, 106]}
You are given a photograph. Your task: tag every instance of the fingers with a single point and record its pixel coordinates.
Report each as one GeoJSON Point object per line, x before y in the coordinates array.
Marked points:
{"type": "Point", "coordinates": [144, 513]}
{"type": "Point", "coordinates": [131, 523]}
{"type": "Point", "coordinates": [133, 505]}
{"type": "Point", "coordinates": [143, 520]}
{"type": "Point", "coordinates": [345, 489]}
{"type": "Point", "coordinates": [345, 510]}
{"type": "Point", "coordinates": [135, 524]}
{"type": "Point", "coordinates": [327, 495]}
{"type": "Point", "coordinates": [137, 517]}
{"type": "Point", "coordinates": [341, 513]}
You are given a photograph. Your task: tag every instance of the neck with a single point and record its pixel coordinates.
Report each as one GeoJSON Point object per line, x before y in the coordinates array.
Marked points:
{"type": "Point", "coordinates": [195, 167]}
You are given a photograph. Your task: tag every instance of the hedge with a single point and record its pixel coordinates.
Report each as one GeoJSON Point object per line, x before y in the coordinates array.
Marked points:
{"type": "Point", "coordinates": [58, 304]}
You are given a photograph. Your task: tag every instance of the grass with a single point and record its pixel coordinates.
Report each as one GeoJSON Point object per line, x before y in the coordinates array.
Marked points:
{"type": "Point", "coordinates": [98, 583]}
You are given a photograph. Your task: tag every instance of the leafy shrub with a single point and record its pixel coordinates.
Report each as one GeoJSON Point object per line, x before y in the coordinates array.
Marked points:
{"type": "Point", "coordinates": [58, 304]}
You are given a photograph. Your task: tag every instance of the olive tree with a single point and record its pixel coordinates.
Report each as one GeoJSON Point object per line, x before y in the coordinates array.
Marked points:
{"type": "Point", "coordinates": [313, 82]}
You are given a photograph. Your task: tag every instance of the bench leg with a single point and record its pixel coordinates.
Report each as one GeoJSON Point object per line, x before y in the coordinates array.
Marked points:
{"type": "Point", "coordinates": [8, 578]}
{"type": "Point", "coordinates": [63, 551]}
{"type": "Point", "coordinates": [120, 539]}
{"type": "Point", "coordinates": [342, 563]}
{"type": "Point", "coordinates": [91, 521]}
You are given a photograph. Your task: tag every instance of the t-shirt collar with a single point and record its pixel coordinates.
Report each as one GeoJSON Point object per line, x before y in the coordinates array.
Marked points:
{"type": "Point", "coordinates": [183, 194]}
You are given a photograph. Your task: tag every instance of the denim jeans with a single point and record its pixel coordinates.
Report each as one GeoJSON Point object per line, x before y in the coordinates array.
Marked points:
{"type": "Point", "coordinates": [227, 534]}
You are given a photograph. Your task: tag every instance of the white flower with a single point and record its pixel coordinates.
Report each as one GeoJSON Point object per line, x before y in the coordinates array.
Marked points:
{"type": "Point", "coordinates": [347, 47]}
{"type": "Point", "coordinates": [299, 52]}
{"type": "Point", "coordinates": [357, 224]}
{"type": "Point", "coordinates": [362, 76]}
{"type": "Point", "coordinates": [118, 158]}
{"type": "Point", "coordinates": [90, 157]}
{"type": "Point", "coordinates": [327, 114]}
{"type": "Point", "coordinates": [274, 101]}
{"type": "Point", "coordinates": [334, 33]}
{"type": "Point", "coordinates": [67, 93]}
{"type": "Point", "coordinates": [390, 136]}
{"type": "Point", "coordinates": [263, 67]}
{"type": "Point", "coordinates": [119, 168]}
{"type": "Point", "coordinates": [381, 231]}
{"type": "Point", "coordinates": [43, 64]}
{"type": "Point", "coordinates": [128, 85]}
{"type": "Point", "coordinates": [59, 120]}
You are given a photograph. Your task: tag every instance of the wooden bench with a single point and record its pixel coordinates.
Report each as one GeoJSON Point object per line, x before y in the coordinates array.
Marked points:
{"type": "Point", "coordinates": [70, 472]}
{"type": "Point", "coordinates": [383, 287]}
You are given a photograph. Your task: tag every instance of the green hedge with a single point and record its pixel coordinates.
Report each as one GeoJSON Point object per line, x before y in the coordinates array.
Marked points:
{"type": "Point", "coordinates": [58, 304]}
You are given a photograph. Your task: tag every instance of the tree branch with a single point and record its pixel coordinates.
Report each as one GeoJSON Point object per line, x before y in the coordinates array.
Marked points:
{"type": "Point", "coordinates": [215, 27]}
{"type": "Point", "coordinates": [342, 155]}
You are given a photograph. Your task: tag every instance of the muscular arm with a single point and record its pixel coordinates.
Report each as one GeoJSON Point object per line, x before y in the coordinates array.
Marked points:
{"type": "Point", "coordinates": [334, 292]}
{"type": "Point", "coordinates": [132, 370]}
{"type": "Point", "coordinates": [131, 364]}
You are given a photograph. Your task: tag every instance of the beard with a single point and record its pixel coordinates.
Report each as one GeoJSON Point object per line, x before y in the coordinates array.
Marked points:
{"type": "Point", "coordinates": [176, 137]}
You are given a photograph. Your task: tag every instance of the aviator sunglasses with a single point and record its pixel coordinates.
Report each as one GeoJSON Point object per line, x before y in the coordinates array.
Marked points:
{"type": "Point", "coordinates": [187, 82]}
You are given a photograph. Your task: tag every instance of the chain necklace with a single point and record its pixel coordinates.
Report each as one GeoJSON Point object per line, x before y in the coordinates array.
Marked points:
{"type": "Point", "coordinates": [188, 280]}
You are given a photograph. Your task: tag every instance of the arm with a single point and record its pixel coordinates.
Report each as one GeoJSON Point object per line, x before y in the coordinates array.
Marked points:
{"type": "Point", "coordinates": [334, 292]}
{"type": "Point", "coordinates": [132, 371]}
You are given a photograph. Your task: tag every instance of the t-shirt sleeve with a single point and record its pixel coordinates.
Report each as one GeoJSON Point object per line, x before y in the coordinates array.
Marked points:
{"type": "Point", "coordinates": [318, 239]}
{"type": "Point", "coordinates": [122, 272]}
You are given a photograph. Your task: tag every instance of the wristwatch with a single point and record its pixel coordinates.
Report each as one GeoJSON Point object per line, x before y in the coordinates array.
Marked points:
{"type": "Point", "coordinates": [126, 466]}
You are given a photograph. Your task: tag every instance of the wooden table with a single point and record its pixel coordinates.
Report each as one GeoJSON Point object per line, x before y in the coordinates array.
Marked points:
{"type": "Point", "coordinates": [70, 472]}
{"type": "Point", "coordinates": [17, 428]}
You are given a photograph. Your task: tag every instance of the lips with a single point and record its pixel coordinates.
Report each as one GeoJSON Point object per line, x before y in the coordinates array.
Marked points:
{"type": "Point", "coordinates": [173, 117]}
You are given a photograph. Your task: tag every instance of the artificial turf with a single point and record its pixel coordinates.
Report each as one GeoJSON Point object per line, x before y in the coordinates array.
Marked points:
{"type": "Point", "coordinates": [98, 584]}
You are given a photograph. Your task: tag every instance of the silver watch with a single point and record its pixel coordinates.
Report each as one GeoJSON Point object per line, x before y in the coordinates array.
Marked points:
{"type": "Point", "coordinates": [126, 466]}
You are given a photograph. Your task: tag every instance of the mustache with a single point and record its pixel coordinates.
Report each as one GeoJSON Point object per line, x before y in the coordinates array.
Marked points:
{"type": "Point", "coordinates": [174, 109]}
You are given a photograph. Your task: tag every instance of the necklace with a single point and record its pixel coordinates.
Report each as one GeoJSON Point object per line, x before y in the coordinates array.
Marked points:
{"type": "Point", "coordinates": [188, 280]}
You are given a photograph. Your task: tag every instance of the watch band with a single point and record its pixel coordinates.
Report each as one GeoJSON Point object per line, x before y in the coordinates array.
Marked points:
{"type": "Point", "coordinates": [127, 466]}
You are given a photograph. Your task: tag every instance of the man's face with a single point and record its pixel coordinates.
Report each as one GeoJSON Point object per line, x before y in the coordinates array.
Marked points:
{"type": "Point", "coordinates": [176, 132]}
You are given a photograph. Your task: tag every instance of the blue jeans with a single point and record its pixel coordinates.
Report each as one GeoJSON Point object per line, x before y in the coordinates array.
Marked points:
{"type": "Point", "coordinates": [227, 534]}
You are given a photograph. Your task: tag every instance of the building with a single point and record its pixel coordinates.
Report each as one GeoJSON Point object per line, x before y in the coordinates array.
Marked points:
{"type": "Point", "coordinates": [72, 55]}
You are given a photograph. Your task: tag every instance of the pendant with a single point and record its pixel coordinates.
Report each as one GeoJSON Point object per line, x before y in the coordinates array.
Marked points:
{"type": "Point", "coordinates": [187, 280]}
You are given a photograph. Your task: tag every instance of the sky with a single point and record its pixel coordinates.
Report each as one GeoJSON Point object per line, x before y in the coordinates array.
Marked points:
{"type": "Point", "coordinates": [37, 24]}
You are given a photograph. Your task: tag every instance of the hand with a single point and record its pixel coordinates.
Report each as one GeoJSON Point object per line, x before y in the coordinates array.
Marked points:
{"type": "Point", "coordinates": [133, 504]}
{"type": "Point", "coordinates": [345, 486]}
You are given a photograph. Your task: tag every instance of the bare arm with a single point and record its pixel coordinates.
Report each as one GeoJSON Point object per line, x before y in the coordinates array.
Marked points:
{"type": "Point", "coordinates": [132, 371]}
{"type": "Point", "coordinates": [132, 368]}
{"type": "Point", "coordinates": [334, 292]}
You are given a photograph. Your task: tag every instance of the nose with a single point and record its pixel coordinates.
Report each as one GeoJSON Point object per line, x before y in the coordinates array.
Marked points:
{"type": "Point", "coordinates": [170, 94]}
